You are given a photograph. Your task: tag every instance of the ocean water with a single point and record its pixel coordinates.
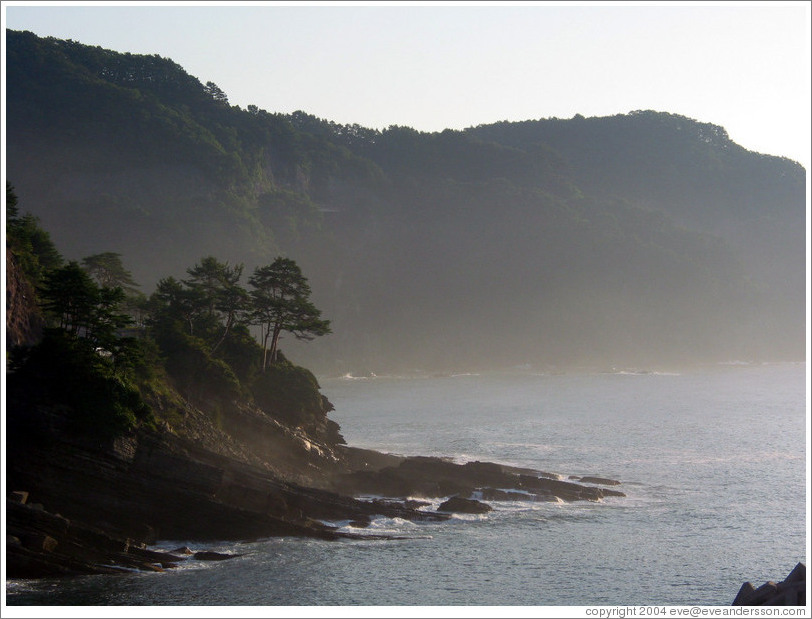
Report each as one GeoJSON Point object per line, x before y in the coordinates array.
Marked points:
{"type": "Point", "coordinates": [713, 462]}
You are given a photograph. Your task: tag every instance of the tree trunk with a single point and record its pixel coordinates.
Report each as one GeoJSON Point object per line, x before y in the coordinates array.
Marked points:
{"type": "Point", "coordinates": [277, 330]}
{"type": "Point", "coordinates": [229, 324]}
{"type": "Point", "coordinates": [266, 333]}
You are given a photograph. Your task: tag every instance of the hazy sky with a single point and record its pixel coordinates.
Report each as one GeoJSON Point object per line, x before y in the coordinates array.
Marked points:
{"type": "Point", "coordinates": [433, 66]}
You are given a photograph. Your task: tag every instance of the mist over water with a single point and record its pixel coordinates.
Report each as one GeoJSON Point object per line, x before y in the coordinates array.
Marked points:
{"type": "Point", "coordinates": [469, 277]}
{"type": "Point", "coordinates": [713, 463]}
{"type": "Point", "coordinates": [638, 239]}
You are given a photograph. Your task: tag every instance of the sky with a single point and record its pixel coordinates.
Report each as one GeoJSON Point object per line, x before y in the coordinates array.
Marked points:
{"type": "Point", "coordinates": [433, 66]}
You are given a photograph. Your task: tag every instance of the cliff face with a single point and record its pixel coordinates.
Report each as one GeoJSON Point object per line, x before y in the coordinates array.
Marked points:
{"type": "Point", "coordinates": [240, 476]}
{"type": "Point", "coordinates": [23, 319]}
{"type": "Point", "coordinates": [189, 480]}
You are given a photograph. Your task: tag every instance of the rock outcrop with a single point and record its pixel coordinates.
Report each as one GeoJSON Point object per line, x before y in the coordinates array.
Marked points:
{"type": "Point", "coordinates": [41, 544]}
{"type": "Point", "coordinates": [461, 505]}
{"type": "Point", "coordinates": [163, 487]}
{"type": "Point", "coordinates": [240, 475]}
{"type": "Point", "coordinates": [23, 318]}
{"type": "Point", "coordinates": [437, 477]}
{"type": "Point", "coordinates": [160, 485]}
{"type": "Point", "coordinates": [789, 592]}
{"type": "Point", "coordinates": [104, 506]}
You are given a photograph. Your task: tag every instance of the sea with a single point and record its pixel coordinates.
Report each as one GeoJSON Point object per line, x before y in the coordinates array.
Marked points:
{"type": "Point", "coordinates": [713, 461]}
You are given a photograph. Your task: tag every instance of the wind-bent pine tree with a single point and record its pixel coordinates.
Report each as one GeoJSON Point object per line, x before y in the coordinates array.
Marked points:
{"type": "Point", "coordinates": [219, 283]}
{"type": "Point", "coordinates": [107, 269]}
{"type": "Point", "coordinates": [281, 303]}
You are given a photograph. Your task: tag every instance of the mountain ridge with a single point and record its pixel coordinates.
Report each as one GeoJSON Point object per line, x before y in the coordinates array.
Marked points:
{"type": "Point", "coordinates": [644, 238]}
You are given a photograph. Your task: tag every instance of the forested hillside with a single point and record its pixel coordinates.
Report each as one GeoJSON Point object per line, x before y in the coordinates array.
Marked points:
{"type": "Point", "coordinates": [641, 240]}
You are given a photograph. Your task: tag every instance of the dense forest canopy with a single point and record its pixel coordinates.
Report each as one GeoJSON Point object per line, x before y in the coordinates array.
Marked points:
{"type": "Point", "coordinates": [640, 239]}
{"type": "Point", "coordinates": [106, 355]}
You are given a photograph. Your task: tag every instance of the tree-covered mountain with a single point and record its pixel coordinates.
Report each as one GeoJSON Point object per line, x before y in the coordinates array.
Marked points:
{"type": "Point", "coordinates": [639, 239]}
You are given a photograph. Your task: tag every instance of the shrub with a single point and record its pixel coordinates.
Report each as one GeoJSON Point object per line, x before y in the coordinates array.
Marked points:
{"type": "Point", "coordinates": [65, 372]}
{"type": "Point", "coordinates": [289, 393]}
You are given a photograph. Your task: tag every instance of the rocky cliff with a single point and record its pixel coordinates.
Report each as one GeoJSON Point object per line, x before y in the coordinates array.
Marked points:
{"type": "Point", "coordinates": [197, 480]}
{"type": "Point", "coordinates": [23, 319]}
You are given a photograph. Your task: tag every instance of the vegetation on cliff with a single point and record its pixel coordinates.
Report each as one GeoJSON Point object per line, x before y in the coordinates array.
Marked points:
{"type": "Point", "coordinates": [105, 352]}
{"type": "Point", "coordinates": [636, 239]}
{"type": "Point", "coordinates": [140, 418]}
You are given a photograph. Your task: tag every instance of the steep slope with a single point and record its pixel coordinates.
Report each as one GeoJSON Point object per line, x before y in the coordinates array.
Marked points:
{"type": "Point", "coordinates": [23, 322]}
{"type": "Point", "coordinates": [640, 239]}
{"type": "Point", "coordinates": [689, 170]}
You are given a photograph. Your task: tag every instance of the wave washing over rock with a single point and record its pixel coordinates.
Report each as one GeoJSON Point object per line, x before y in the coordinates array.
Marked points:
{"type": "Point", "coordinates": [83, 508]}
{"type": "Point", "coordinates": [76, 507]}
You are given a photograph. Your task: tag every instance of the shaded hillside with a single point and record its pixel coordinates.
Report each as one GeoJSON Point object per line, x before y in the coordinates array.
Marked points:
{"type": "Point", "coordinates": [690, 170]}
{"type": "Point", "coordinates": [172, 429]}
{"type": "Point", "coordinates": [639, 239]}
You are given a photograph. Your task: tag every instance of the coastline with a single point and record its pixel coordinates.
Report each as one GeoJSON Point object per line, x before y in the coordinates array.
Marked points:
{"type": "Point", "coordinates": [77, 509]}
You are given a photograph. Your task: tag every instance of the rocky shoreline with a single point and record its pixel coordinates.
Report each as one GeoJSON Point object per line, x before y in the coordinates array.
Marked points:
{"type": "Point", "coordinates": [789, 592]}
{"type": "Point", "coordinates": [77, 508]}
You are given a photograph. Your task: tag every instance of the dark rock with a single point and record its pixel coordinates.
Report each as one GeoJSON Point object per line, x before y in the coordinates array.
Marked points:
{"type": "Point", "coordinates": [360, 524]}
{"type": "Point", "coordinates": [170, 483]}
{"type": "Point", "coordinates": [40, 542]}
{"type": "Point", "coordinates": [54, 546]}
{"type": "Point", "coordinates": [415, 504]}
{"type": "Point", "coordinates": [798, 574]}
{"type": "Point", "coordinates": [565, 490]}
{"type": "Point", "coordinates": [18, 496]}
{"type": "Point", "coordinates": [357, 459]}
{"type": "Point", "coordinates": [158, 484]}
{"type": "Point", "coordinates": [460, 505]}
{"type": "Point", "coordinates": [208, 555]}
{"type": "Point", "coordinates": [745, 592]}
{"type": "Point", "coordinates": [24, 321]}
{"type": "Point", "coordinates": [600, 480]}
{"type": "Point", "coordinates": [787, 596]}
{"type": "Point", "coordinates": [497, 494]}
{"type": "Point", "coordinates": [545, 498]}
{"type": "Point", "coordinates": [790, 592]}
{"type": "Point", "coordinates": [437, 477]}
{"type": "Point", "coordinates": [762, 594]}
{"type": "Point", "coordinates": [183, 550]}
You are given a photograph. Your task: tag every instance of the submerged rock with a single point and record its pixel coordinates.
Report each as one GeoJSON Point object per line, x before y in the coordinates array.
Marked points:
{"type": "Point", "coordinates": [603, 481]}
{"type": "Point", "coordinates": [460, 505]}
{"type": "Point", "coordinates": [497, 494]}
{"type": "Point", "coordinates": [209, 555]}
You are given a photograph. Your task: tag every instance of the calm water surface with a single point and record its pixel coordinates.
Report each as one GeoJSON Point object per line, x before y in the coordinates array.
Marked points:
{"type": "Point", "coordinates": [713, 463]}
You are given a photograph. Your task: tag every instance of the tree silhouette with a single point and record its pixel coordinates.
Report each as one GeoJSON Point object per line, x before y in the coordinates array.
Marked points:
{"type": "Point", "coordinates": [107, 269]}
{"type": "Point", "coordinates": [82, 308]}
{"type": "Point", "coordinates": [217, 284]}
{"type": "Point", "coordinates": [281, 302]}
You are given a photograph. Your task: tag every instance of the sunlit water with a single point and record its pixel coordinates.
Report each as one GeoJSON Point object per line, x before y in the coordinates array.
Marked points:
{"type": "Point", "coordinates": [713, 463]}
